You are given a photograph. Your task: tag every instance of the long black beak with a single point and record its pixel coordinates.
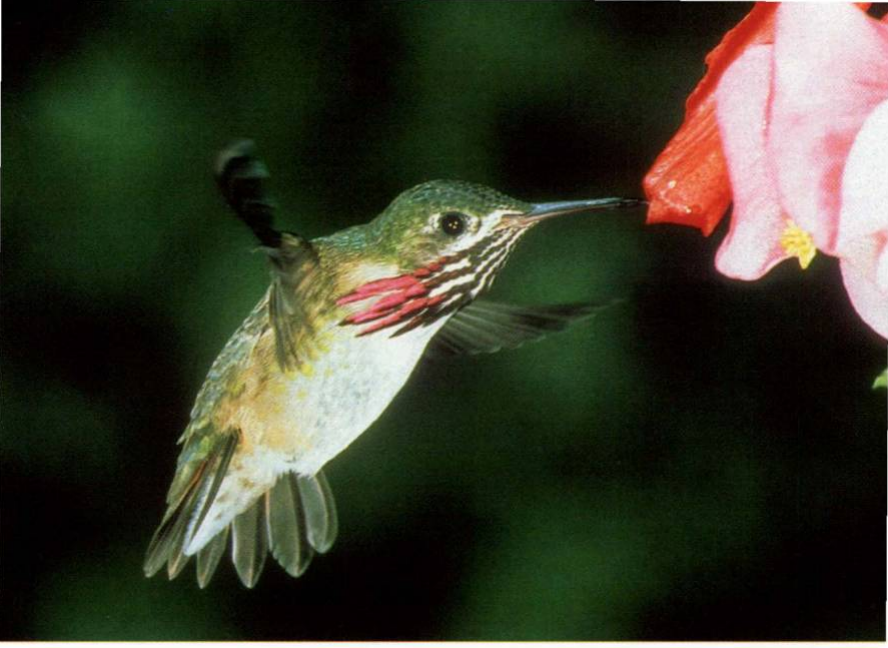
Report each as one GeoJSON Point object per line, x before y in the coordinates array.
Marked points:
{"type": "Point", "coordinates": [542, 211]}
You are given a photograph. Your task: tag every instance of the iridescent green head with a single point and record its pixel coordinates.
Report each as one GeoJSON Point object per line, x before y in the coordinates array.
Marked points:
{"type": "Point", "coordinates": [442, 218]}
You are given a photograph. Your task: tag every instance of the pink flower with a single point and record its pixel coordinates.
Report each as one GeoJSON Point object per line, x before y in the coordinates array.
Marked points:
{"type": "Point", "coordinates": [803, 127]}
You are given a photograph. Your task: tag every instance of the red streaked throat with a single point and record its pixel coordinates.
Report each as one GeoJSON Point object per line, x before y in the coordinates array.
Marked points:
{"type": "Point", "coordinates": [395, 300]}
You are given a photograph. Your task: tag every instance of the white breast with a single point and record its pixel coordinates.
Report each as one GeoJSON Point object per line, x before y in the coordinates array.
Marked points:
{"type": "Point", "coordinates": [349, 387]}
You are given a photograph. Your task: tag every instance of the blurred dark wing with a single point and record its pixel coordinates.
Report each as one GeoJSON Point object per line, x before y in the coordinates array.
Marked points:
{"type": "Point", "coordinates": [486, 327]}
{"type": "Point", "coordinates": [241, 177]}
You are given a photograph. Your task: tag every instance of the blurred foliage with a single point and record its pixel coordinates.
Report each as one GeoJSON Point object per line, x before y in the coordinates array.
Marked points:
{"type": "Point", "coordinates": [704, 461]}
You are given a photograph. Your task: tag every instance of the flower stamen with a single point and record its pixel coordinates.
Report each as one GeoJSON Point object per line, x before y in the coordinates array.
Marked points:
{"type": "Point", "coordinates": [798, 243]}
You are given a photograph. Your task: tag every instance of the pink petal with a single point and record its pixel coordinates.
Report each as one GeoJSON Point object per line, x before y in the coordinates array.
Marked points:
{"type": "Point", "coordinates": [865, 186]}
{"type": "Point", "coordinates": [869, 302]}
{"type": "Point", "coordinates": [830, 72]}
{"type": "Point", "coordinates": [752, 245]}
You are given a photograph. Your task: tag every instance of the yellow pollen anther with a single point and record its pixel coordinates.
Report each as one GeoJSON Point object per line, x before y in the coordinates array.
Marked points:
{"type": "Point", "coordinates": [798, 243]}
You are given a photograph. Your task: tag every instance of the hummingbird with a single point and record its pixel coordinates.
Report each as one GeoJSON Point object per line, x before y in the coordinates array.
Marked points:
{"type": "Point", "coordinates": [335, 337]}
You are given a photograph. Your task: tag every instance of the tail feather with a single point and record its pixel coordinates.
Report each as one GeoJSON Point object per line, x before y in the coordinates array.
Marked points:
{"type": "Point", "coordinates": [292, 520]}
{"type": "Point", "coordinates": [287, 526]}
{"type": "Point", "coordinates": [208, 557]}
{"type": "Point", "coordinates": [320, 511]}
{"type": "Point", "coordinates": [249, 543]}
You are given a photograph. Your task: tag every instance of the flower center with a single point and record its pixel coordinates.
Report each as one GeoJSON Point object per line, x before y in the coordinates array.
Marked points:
{"type": "Point", "coordinates": [798, 243]}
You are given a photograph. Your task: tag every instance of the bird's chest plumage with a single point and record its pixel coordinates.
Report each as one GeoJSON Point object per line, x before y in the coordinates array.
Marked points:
{"type": "Point", "coordinates": [317, 411]}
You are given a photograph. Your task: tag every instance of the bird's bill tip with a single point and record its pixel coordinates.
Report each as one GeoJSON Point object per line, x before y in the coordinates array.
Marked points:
{"type": "Point", "coordinates": [541, 211]}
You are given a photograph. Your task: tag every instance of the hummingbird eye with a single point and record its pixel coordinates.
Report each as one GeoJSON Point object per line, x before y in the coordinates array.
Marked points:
{"type": "Point", "coordinates": [453, 223]}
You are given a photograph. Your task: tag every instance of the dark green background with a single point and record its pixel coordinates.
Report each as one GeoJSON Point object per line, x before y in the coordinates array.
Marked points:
{"type": "Point", "coordinates": [705, 461]}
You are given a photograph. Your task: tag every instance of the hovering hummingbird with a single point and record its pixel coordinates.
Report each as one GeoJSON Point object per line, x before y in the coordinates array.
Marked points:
{"type": "Point", "coordinates": [335, 337]}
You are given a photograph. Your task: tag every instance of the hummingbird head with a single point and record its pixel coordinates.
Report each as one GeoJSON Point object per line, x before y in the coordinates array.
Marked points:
{"type": "Point", "coordinates": [450, 239]}
{"type": "Point", "coordinates": [446, 218]}
{"type": "Point", "coordinates": [456, 220]}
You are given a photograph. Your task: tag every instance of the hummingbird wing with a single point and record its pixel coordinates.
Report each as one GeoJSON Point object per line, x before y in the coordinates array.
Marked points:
{"type": "Point", "coordinates": [241, 177]}
{"type": "Point", "coordinates": [485, 327]}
